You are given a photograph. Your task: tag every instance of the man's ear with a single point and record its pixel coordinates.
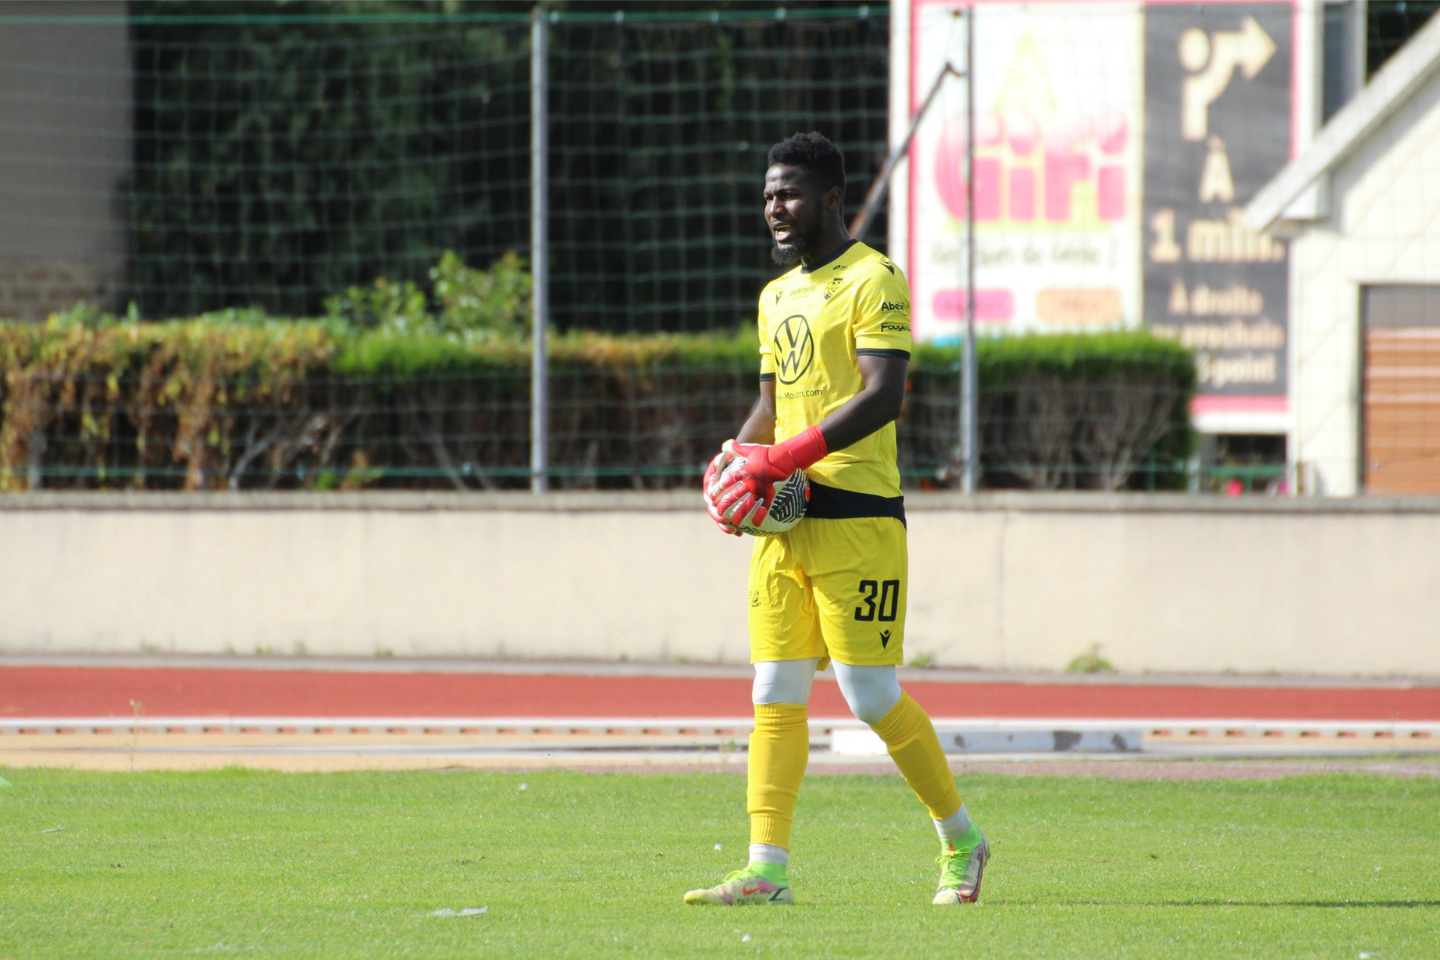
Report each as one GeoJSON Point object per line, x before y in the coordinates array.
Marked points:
{"type": "Point", "coordinates": [834, 197]}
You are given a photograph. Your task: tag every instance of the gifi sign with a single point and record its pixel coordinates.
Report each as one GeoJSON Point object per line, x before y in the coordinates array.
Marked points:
{"type": "Point", "coordinates": [1066, 170]}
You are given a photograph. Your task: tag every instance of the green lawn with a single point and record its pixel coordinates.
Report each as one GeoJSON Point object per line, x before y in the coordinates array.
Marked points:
{"type": "Point", "coordinates": [570, 864]}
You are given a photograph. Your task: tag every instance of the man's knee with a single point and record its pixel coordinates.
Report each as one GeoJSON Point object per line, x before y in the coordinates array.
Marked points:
{"type": "Point", "coordinates": [871, 692]}
{"type": "Point", "coordinates": [783, 681]}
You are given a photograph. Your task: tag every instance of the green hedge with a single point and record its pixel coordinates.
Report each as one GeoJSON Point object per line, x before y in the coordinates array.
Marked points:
{"type": "Point", "coordinates": [240, 399]}
{"type": "Point", "coordinates": [1105, 410]}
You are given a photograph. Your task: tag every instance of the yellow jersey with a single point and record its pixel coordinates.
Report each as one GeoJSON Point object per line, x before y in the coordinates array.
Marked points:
{"type": "Point", "coordinates": [814, 324]}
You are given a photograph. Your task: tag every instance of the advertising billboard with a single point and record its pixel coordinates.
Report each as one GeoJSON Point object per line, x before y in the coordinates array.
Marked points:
{"type": "Point", "coordinates": [1115, 146]}
{"type": "Point", "coordinates": [1059, 112]}
{"type": "Point", "coordinates": [1217, 110]}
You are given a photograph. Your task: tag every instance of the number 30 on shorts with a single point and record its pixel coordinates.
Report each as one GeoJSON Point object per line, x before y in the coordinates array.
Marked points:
{"type": "Point", "coordinates": [879, 600]}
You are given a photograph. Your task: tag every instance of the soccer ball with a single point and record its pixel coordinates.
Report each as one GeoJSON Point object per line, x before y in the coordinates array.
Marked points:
{"type": "Point", "coordinates": [787, 507]}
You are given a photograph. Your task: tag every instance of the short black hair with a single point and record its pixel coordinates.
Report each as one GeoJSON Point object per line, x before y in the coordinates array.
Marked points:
{"type": "Point", "coordinates": [816, 155]}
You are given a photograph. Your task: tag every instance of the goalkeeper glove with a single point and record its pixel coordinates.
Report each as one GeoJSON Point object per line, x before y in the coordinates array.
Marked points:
{"type": "Point", "coordinates": [751, 485]}
{"type": "Point", "coordinates": [710, 485]}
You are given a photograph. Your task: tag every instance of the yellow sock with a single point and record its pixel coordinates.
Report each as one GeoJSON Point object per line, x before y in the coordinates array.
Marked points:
{"type": "Point", "coordinates": [779, 750]}
{"type": "Point", "coordinates": [910, 737]}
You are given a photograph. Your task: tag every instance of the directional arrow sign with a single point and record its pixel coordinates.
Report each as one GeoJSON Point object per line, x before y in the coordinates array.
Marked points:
{"type": "Point", "coordinates": [1248, 48]}
{"type": "Point", "coordinates": [1255, 48]}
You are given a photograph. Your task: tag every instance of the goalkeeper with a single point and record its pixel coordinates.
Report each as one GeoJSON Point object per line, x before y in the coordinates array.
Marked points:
{"type": "Point", "coordinates": [834, 347]}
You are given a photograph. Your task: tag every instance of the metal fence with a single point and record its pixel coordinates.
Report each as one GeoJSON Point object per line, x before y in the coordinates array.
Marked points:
{"type": "Point", "coordinates": [658, 135]}
{"type": "Point", "coordinates": [626, 426]}
{"type": "Point", "coordinates": [275, 160]}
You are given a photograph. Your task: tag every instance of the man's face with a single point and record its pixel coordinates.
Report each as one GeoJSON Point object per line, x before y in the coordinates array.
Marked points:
{"type": "Point", "coordinates": [794, 211]}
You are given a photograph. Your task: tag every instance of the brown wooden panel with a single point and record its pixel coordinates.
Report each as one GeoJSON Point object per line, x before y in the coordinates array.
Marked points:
{"type": "Point", "coordinates": [1402, 410]}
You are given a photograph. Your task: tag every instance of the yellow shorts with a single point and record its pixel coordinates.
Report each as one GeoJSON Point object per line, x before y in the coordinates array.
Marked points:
{"type": "Point", "coordinates": [830, 588]}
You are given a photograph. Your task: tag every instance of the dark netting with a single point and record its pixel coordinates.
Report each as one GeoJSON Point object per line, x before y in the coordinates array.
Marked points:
{"type": "Point", "coordinates": [659, 134]}
{"type": "Point", "coordinates": [279, 161]}
{"type": "Point", "coordinates": [289, 162]}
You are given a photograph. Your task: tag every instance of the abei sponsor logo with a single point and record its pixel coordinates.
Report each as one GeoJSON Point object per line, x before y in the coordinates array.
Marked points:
{"type": "Point", "coordinates": [894, 306]}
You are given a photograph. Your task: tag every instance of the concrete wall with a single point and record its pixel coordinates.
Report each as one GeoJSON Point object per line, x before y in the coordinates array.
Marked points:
{"type": "Point", "coordinates": [1162, 582]}
{"type": "Point", "coordinates": [65, 140]}
{"type": "Point", "coordinates": [1384, 228]}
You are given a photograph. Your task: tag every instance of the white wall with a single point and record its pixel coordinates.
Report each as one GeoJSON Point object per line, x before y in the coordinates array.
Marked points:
{"type": "Point", "coordinates": [1385, 228]}
{"type": "Point", "coordinates": [1162, 582]}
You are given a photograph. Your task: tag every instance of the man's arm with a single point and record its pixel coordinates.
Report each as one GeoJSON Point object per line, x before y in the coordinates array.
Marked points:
{"type": "Point", "coordinates": [760, 425]}
{"type": "Point", "coordinates": [878, 402]}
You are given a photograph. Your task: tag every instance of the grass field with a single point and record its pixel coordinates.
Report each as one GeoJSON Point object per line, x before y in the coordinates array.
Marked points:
{"type": "Point", "coordinates": [571, 864]}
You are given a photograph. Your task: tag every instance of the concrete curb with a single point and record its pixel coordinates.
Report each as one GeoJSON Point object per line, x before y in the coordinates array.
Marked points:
{"type": "Point", "coordinates": [687, 500]}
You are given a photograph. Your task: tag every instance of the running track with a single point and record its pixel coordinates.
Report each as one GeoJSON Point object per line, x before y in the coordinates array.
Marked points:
{"type": "Point", "coordinates": [44, 691]}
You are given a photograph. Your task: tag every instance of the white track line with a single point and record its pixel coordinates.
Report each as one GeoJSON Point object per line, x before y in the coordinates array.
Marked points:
{"type": "Point", "coordinates": [1166, 729]}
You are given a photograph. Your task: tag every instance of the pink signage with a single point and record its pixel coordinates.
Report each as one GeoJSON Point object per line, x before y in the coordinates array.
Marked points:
{"type": "Point", "coordinates": [1059, 102]}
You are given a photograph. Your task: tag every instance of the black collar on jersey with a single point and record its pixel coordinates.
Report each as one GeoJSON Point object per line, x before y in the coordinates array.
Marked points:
{"type": "Point", "coordinates": [832, 258]}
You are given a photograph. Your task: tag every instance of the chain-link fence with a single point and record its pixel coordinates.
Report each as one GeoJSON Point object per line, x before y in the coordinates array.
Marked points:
{"type": "Point", "coordinates": [273, 159]}
{"type": "Point", "coordinates": [631, 428]}
{"type": "Point", "coordinates": [461, 431]}
{"type": "Point", "coordinates": [658, 139]}
{"type": "Point", "coordinates": [186, 157]}
{"type": "Point", "coordinates": [221, 403]}
{"type": "Point", "coordinates": [278, 161]}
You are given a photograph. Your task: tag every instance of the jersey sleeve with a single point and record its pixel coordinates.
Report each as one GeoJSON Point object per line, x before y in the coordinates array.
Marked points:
{"type": "Point", "coordinates": [882, 314]}
{"type": "Point", "coordinates": [767, 358]}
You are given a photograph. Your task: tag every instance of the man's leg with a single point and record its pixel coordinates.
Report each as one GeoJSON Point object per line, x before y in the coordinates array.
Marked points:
{"type": "Point", "coordinates": [779, 751]}
{"type": "Point", "coordinates": [874, 696]}
{"type": "Point", "coordinates": [859, 567]}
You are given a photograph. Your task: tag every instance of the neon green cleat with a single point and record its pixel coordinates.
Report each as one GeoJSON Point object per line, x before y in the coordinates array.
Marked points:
{"type": "Point", "coordinates": [740, 888]}
{"type": "Point", "coordinates": [961, 869]}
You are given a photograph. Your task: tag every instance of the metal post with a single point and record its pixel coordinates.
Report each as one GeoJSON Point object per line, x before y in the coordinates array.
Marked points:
{"type": "Point", "coordinates": [539, 268]}
{"type": "Point", "coordinates": [970, 371]}
{"type": "Point", "coordinates": [881, 184]}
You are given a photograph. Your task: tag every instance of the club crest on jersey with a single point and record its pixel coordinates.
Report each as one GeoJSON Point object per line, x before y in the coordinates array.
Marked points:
{"type": "Point", "coordinates": [793, 348]}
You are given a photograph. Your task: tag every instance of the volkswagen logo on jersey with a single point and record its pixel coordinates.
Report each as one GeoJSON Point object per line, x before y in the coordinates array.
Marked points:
{"type": "Point", "coordinates": [794, 348]}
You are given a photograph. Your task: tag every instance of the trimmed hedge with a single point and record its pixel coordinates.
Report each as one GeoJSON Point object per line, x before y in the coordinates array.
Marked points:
{"type": "Point", "coordinates": [1066, 410]}
{"type": "Point", "coordinates": [241, 400]}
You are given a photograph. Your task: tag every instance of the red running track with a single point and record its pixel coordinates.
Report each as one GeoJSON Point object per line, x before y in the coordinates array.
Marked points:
{"type": "Point", "coordinates": [108, 691]}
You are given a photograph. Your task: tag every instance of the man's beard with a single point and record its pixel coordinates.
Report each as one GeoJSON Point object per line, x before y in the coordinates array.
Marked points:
{"type": "Point", "coordinates": [790, 255]}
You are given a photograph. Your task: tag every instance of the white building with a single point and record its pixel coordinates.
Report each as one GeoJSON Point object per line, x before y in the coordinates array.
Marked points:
{"type": "Point", "coordinates": [65, 124]}
{"type": "Point", "coordinates": [1361, 208]}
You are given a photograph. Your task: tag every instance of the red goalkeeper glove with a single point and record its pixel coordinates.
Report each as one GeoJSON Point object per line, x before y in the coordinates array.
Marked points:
{"type": "Point", "coordinates": [709, 484]}
{"type": "Point", "coordinates": [751, 485]}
